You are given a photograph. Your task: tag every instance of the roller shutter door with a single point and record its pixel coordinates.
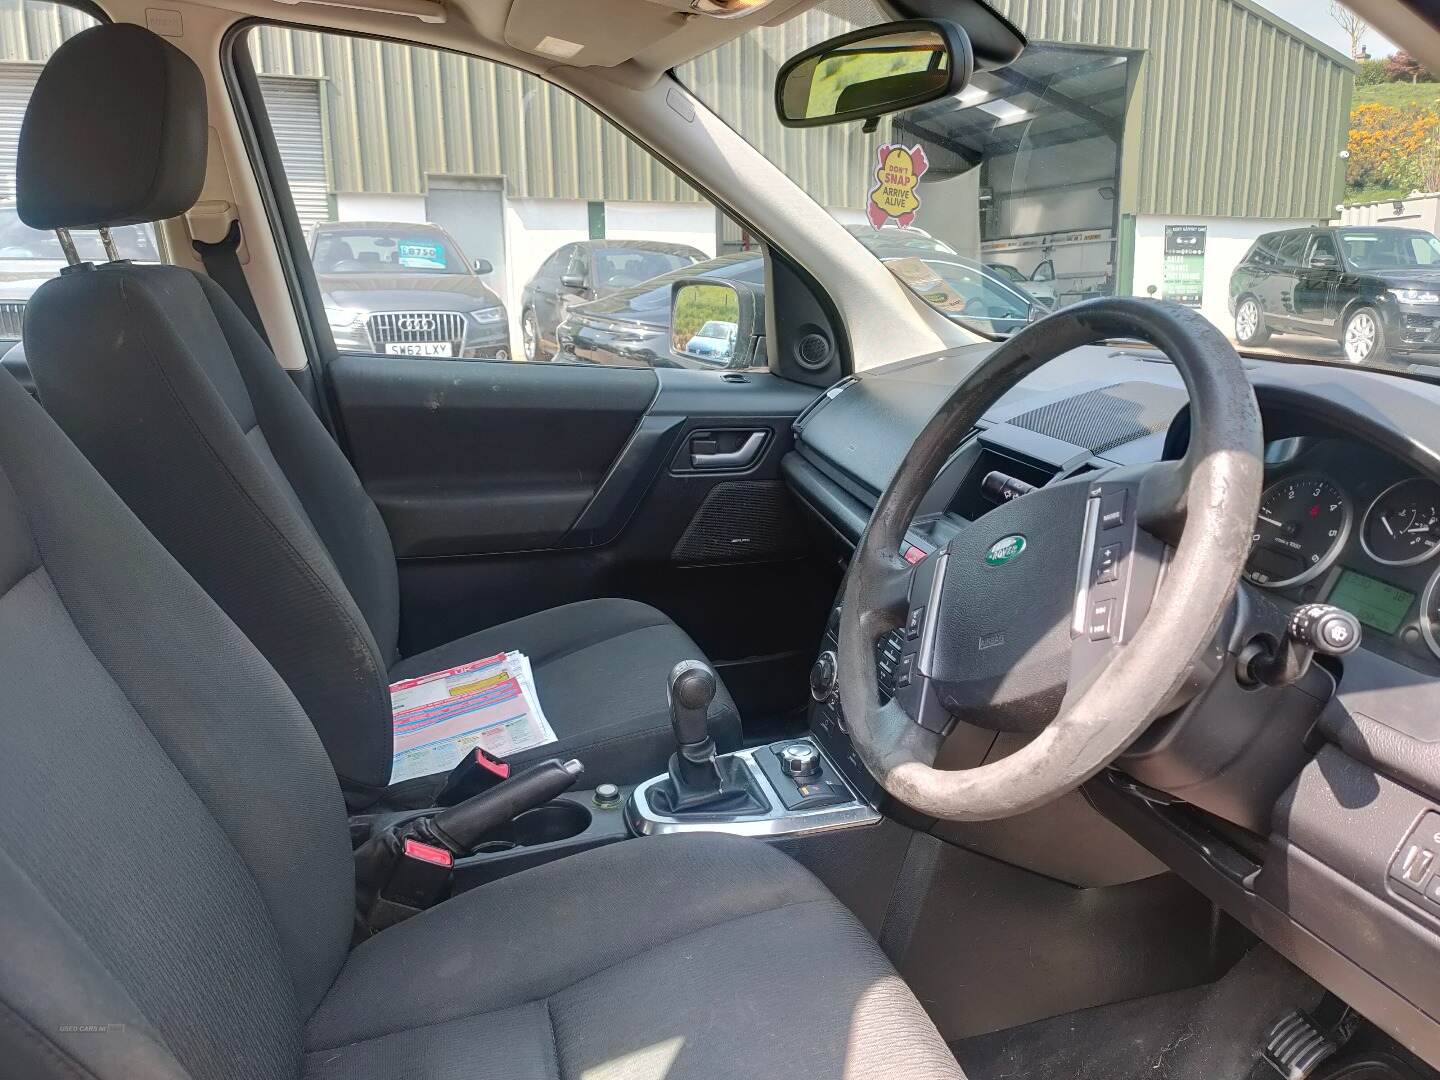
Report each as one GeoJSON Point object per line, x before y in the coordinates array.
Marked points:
{"type": "Point", "coordinates": [16, 83]}
{"type": "Point", "coordinates": [294, 109]}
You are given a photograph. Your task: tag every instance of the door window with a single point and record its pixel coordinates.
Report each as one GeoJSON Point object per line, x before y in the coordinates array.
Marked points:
{"type": "Point", "coordinates": [445, 204]}
{"type": "Point", "coordinates": [1323, 250]}
{"type": "Point", "coordinates": [1291, 248]}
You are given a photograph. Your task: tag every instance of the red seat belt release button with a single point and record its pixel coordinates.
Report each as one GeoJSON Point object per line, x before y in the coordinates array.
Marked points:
{"type": "Point", "coordinates": [420, 876]}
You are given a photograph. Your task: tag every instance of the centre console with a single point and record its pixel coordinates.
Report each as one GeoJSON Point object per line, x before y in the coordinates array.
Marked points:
{"type": "Point", "coordinates": [800, 791]}
{"type": "Point", "coordinates": [788, 788]}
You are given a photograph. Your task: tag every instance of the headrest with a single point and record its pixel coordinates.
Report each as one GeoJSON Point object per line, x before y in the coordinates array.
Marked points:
{"type": "Point", "coordinates": [114, 134]}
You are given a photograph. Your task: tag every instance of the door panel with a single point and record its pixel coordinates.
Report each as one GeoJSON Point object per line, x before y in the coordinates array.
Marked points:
{"type": "Point", "coordinates": [467, 458]}
{"type": "Point", "coordinates": [510, 488]}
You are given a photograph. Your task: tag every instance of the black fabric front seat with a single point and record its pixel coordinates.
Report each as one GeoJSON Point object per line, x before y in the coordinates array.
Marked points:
{"type": "Point", "coordinates": [176, 879]}
{"type": "Point", "coordinates": [160, 380]}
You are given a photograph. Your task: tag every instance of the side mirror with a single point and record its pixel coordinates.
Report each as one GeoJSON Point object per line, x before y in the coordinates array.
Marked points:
{"type": "Point", "coordinates": [483, 266]}
{"type": "Point", "coordinates": [572, 281]}
{"type": "Point", "coordinates": [1044, 272]}
{"type": "Point", "coordinates": [871, 72]}
{"type": "Point", "coordinates": [1322, 261]}
{"type": "Point", "coordinates": [713, 322]}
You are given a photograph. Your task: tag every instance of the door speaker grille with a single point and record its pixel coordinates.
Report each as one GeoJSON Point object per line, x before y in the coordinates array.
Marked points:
{"type": "Point", "coordinates": [743, 521]}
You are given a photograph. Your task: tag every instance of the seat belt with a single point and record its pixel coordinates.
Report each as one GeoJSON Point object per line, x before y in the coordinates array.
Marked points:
{"type": "Point", "coordinates": [222, 264]}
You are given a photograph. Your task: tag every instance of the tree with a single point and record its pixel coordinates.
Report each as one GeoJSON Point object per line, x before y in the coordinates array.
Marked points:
{"type": "Point", "coordinates": [1371, 73]}
{"type": "Point", "coordinates": [1354, 27]}
{"type": "Point", "coordinates": [1402, 67]}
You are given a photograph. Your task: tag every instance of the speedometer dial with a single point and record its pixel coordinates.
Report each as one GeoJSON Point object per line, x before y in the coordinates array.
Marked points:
{"type": "Point", "coordinates": [1430, 613]}
{"type": "Point", "coordinates": [1302, 525]}
{"type": "Point", "coordinates": [1402, 526]}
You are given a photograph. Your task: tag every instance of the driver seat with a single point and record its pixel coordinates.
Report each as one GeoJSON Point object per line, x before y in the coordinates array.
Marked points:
{"type": "Point", "coordinates": [177, 886]}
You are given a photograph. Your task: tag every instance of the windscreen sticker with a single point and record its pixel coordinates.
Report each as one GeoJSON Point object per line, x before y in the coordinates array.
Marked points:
{"type": "Point", "coordinates": [894, 198]}
{"type": "Point", "coordinates": [420, 255]}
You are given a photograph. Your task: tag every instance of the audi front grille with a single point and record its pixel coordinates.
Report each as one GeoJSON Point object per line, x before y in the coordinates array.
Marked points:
{"type": "Point", "coordinates": [417, 327]}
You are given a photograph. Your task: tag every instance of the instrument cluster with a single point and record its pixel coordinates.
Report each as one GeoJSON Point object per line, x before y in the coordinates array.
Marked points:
{"type": "Point", "coordinates": [1348, 525]}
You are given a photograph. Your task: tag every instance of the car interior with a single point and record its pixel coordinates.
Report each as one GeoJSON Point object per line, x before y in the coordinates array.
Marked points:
{"type": "Point", "coordinates": [919, 702]}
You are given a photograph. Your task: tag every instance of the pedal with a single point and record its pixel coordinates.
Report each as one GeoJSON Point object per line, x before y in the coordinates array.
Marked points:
{"type": "Point", "coordinates": [1296, 1046]}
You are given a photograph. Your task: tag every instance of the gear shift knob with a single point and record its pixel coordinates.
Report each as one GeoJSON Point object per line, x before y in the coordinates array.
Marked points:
{"type": "Point", "coordinates": [691, 690]}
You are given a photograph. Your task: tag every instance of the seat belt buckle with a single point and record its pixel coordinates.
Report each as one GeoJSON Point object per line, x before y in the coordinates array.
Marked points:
{"type": "Point", "coordinates": [419, 877]}
{"type": "Point", "coordinates": [477, 772]}
{"type": "Point", "coordinates": [398, 876]}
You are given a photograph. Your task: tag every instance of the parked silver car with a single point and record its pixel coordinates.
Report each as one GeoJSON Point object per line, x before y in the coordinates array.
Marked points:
{"type": "Point", "coordinates": [400, 289]}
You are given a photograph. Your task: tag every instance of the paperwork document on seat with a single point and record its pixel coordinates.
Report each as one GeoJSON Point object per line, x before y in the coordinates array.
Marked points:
{"type": "Point", "coordinates": [441, 717]}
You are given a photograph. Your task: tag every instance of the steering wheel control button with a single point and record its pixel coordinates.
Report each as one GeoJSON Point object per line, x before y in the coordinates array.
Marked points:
{"type": "Point", "coordinates": [1107, 566]}
{"type": "Point", "coordinates": [905, 672]}
{"type": "Point", "coordinates": [800, 760]}
{"type": "Point", "coordinates": [823, 674]}
{"type": "Point", "coordinates": [916, 623]}
{"type": "Point", "coordinates": [1102, 617]}
{"type": "Point", "coordinates": [1112, 509]}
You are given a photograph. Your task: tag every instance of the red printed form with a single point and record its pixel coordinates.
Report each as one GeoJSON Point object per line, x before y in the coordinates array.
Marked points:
{"type": "Point", "coordinates": [441, 717]}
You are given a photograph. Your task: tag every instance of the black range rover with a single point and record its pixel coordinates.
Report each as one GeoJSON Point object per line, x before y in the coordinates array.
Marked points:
{"type": "Point", "coordinates": [1373, 289]}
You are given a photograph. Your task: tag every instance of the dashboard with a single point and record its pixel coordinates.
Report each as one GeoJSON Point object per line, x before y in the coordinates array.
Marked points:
{"type": "Point", "coordinates": [1299, 810]}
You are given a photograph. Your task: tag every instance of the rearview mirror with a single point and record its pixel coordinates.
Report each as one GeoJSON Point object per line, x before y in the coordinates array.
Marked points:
{"type": "Point", "coordinates": [712, 322]}
{"type": "Point", "coordinates": [881, 69]}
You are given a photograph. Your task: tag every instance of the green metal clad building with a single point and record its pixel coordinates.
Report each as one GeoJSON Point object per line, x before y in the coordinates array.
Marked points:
{"type": "Point", "coordinates": [1227, 98]}
{"type": "Point", "coordinates": [1221, 102]}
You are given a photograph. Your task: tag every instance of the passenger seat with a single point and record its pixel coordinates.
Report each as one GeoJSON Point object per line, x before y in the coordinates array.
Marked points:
{"type": "Point", "coordinates": [157, 376]}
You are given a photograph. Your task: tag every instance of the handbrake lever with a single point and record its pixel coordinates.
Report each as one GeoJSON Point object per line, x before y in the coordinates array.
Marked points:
{"type": "Point", "coordinates": [402, 870]}
{"type": "Point", "coordinates": [460, 828]}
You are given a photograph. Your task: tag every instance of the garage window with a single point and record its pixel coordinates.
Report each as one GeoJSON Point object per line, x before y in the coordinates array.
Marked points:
{"type": "Point", "coordinates": [458, 209]}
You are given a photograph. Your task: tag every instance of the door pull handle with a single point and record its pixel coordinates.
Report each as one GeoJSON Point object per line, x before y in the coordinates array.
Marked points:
{"type": "Point", "coordinates": [734, 459]}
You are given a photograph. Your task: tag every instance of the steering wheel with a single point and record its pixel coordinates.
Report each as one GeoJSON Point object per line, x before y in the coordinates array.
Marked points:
{"type": "Point", "coordinates": [1075, 613]}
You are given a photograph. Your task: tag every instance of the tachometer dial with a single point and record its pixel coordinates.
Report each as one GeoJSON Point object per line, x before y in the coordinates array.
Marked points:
{"type": "Point", "coordinates": [1302, 525]}
{"type": "Point", "coordinates": [1402, 526]}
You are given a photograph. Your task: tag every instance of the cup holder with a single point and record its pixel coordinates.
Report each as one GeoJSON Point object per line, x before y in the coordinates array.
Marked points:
{"type": "Point", "coordinates": [546, 824]}
{"type": "Point", "coordinates": [549, 823]}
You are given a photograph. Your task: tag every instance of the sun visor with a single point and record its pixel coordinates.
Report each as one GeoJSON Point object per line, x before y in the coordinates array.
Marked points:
{"type": "Point", "coordinates": [590, 33]}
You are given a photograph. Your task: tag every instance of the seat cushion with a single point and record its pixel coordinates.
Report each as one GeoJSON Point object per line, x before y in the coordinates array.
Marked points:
{"type": "Point", "coordinates": [601, 669]}
{"type": "Point", "coordinates": [669, 958]}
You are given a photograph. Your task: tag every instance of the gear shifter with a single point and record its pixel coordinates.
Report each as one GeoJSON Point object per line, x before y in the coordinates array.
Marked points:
{"type": "Point", "coordinates": [698, 780]}
{"type": "Point", "coordinates": [691, 690]}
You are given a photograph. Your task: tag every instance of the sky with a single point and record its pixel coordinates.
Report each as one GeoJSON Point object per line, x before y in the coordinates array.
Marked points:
{"type": "Point", "coordinates": [1313, 16]}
